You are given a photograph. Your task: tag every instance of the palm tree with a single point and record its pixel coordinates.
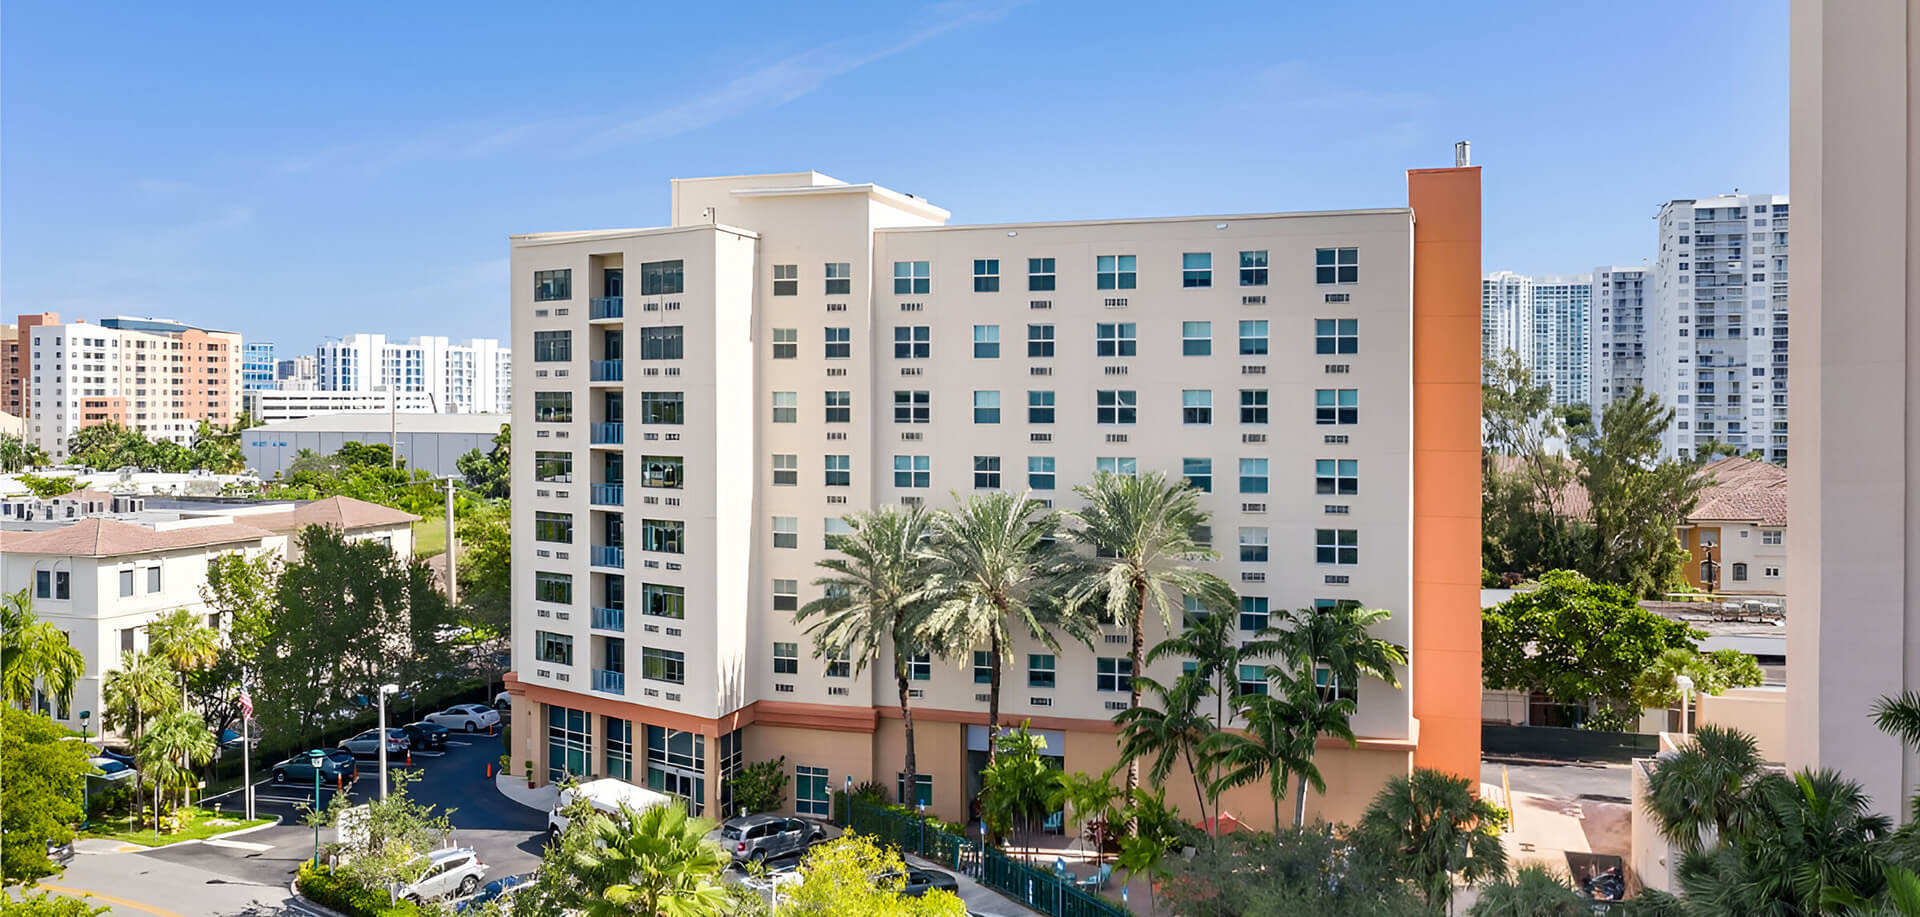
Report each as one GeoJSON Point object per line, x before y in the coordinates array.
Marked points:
{"type": "Point", "coordinates": [654, 861]}
{"type": "Point", "coordinates": [184, 642]}
{"type": "Point", "coordinates": [1089, 798]}
{"type": "Point", "coordinates": [1435, 828]}
{"type": "Point", "coordinates": [34, 652]}
{"type": "Point", "coordinates": [1145, 534]}
{"type": "Point", "coordinates": [876, 599]}
{"type": "Point", "coordinates": [1899, 716]}
{"type": "Point", "coordinates": [174, 744]}
{"type": "Point", "coordinates": [1016, 782]}
{"type": "Point", "coordinates": [1172, 729]}
{"type": "Point", "coordinates": [1338, 639]}
{"type": "Point", "coordinates": [1207, 640]}
{"type": "Point", "coordinates": [138, 689]}
{"type": "Point", "coordinates": [1533, 890]}
{"type": "Point", "coordinates": [1704, 789]}
{"type": "Point", "coordinates": [1279, 741]}
{"type": "Point", "coordinates": [998, 566]}
{"type": "Point", "coordinates": [13, 453]}
{"type": "Point", "coordinates": [1814, 847]}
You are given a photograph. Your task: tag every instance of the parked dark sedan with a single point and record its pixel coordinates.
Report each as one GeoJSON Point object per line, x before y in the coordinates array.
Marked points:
{"type": "Point", "coordinates": [921, 881]}
{"type": "Point", "coordinates": [425, 735]}
{"type": "Point", "coordinates": [336, 766]}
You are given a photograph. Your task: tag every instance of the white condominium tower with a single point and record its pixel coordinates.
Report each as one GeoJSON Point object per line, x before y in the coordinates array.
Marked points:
{"type": "Point", "coordinates": [804, 349]}
{"type": "Point", "coordinates": [1545, 321]}
{"type": "Point", "coordinates": [157, 376]}
{"type": "Point", "coordinates": [470, 377]}
{"type": "Point", "coordinates": [1618, 357]}
{"type": "Point", "coordinates": [1717, 341]}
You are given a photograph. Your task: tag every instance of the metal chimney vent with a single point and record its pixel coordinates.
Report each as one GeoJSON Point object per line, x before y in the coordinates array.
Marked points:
{"type": "Point", "coordinates": [1462, 157]}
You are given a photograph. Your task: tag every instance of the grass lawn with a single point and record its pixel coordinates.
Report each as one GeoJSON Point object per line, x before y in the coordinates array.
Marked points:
{"type": "Point", "coordinates": [196, 824]}
{"type": "Point", "coordinates": [430, 536]}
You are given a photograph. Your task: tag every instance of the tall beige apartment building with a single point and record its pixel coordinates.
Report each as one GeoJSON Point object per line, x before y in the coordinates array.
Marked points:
{"type": "Point", "coordinates": [804, 348]}
{"type": "Point", "coordinates": [159, 377]}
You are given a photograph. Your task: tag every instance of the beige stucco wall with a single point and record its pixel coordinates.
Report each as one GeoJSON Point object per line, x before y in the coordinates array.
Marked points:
{"type": "Point", "coordinates": [1760, 712]}
{"type": "Point", "coordinates": [1649, 862]}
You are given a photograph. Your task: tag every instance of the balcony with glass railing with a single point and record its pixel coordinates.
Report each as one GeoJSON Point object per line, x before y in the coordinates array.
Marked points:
{"type": "Point", "coordinates": [609, 556]}
{"type": "Point", "coordinates": [606, 307]}
{"type": "Point", "coordinates": [610, 619]}
{"type": "Point", "coordinates": [606, 370]}
{"type": "Point", "coordinates": [608, 495]}
{"type": "Point", "coordinates": [607, 434]}
{"type": "Point", "coordinates": [608, 681]}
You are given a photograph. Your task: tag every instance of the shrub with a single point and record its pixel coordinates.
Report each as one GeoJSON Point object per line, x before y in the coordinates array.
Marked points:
{"type": "Point", "coordinates": [761, 786]}
{"type": "Point", "coordinates": [328, 890]}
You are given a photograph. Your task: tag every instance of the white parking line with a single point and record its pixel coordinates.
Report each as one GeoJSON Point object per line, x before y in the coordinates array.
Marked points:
{"type": "Point", "coordinates": [428, 754]}
{"type": "Point", "coordinates": [239, 845]}
{"type": "Point", "coordinates": [461, 744]}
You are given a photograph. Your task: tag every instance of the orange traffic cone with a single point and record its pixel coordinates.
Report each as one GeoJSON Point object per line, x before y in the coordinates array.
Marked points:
{"type": "Point", "coordinates": [409, 757]}
{"type": "Point", "coordinates": [489, 770]}
{"type": "Point", "coordinates": [339, 782]}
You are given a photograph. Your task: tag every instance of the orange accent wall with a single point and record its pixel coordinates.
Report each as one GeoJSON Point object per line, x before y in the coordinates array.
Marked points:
{"type": "Point", "coordinates": [1446, 468]}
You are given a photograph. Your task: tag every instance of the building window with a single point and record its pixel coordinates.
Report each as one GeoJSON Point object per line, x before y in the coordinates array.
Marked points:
{"type": "Point", "coordinates": [982, 667]}
{"type": "Point", "coordinates": [786, 407]}
{"type": "Point", "coordinates": [911, 277]}
{"type": "Point", "coordinates": [912, 342]}
{"type": "Point", "coordinates": [553, 467]}
{"type": "Point", "coordinates": [1253, 679]}
{"type": "Point", "coordinates": [786, 658]}
{"type": "Point", "coordinates": [663, 601]}
{"type": "Point", "coordinates": [619, 747]}
{"type": "Point", "coordinates": [922, 789]}
{"type": "Point", "coordinates": [1253, 269]}
{"type": "Point", "coordinates": [1113, 673]}
{"type": "Point", "coordinates": [1253, 544]}
{"type": "Point", "coordinates": [920, 668]}
{"type": "Point", "coordinates": [839, 278]}
{"type": "Point", "coordinates": [1039, 340]}
{"type": "Point", "coordinates": [668, 471]}
{"type": "Point", "coordinates": [839, 470]}
{"type": "Point", "coordinates": [664, 535]}
{"type": "Point", "coordinates": [839, 664]}
{"type": "Point", "coordinates": [1040, 472]}
{"type": "Point", "coordinates": [1198, 473]}
{"type": "Point", "coordinates": [912, 471]}
{"type": "Point", "coordinates": [1336, 546]}
{"type": "Point", "coordinates": [839, 343]}
{"type": "Point", "coordinates": [839, 407]}
{"type": "Point", "coordinates": [549, 286]}
{"type": "Point", "coordinates": [986, 407]}
{"type": "Point", "coordinates": [786, 280]}
{"type": "Point", "coordinates": [554, 527]}
{"type": "Point", "coordinates": [1773, 537]}
{"type": "Point", "coordinates": [1336, 335]}
{"type": "Point", "coordinates": [786, 595]}
{"type": "Point", "coordinates": [837, 529]}
{"type": "Point", "coordinates": [553, 407]}
{"type": "Point", "coordinates": [658, 277]}
{"type": "Point", "coordinates": [1039, 407]}
{"type": "Point", "coordinates": [1040, 273]}
{"type": "Point", "coordinates": [547, 587]}
{"type": "Point", "coordinates": [786, 531]}
{"type": "Point", "coordinates": [569, 743]}
{"type": "Point", "coordinates": [669, 666]}
{"type": "Point", "coordinates": [986, 472]}
{"type": "Point", "coordinates": [786, 343]}
{"type": "Point", "coordinates": [126, 583]}
{"type": "Point", "coordinates": [1739, 573]}
{"type": "Point", "coordinates": [1114, 406]}
{"type": "Point", "coordinates": [786, 469]}
{"type": "Point", "coordinates": [552, 346]}
{"type": "Point", "coordinates": [1253, 475]}
{"type": "Point", "coordinates": [810, 793]}
{"type": "Point", "coordinates": [1253, 337]}
{"type": "Point", "coordinates": [1123, 464]}
{"type": "Point", "coordinates": [1253, 405]}
{"type": "Point", "coordinates": [1196, 269]}
{"type": "Point", "coordinates": [663, 407]}
{"type": "Point", "coordinates": [1340, 265]}
{"type": "Point", "coordinates": [986, 342]}
{"type": "Point", "coordinates": [553, 648]}
{"type": "Point", "coordinates": [1772, 572]}
{"type": "Point", "coordinates": [986, 275]}
{"type": "Point", "coordinates": [1114, 339]}
{"type": "Point", "coordinates": [1196, 406]}
{"type": "Point", "coordinates": [1196, 339]}
{"type": "Point", "coordinates": [1253, 613]}
{"type": "Point", "coordinates": [912, 407]}
{"type": "Point", "coordinates": [1040, 670]}
{"type": "Point", "coordinates": [1336, 476]}
{"type": "Point", "coordinates": [666, 342]}
{"type": "Point", "coordinates": [62, 585]}
{"type": "Point", "coordinates": [1114, 272]}
{"type": "Point", "coordinates": [1336, 406]}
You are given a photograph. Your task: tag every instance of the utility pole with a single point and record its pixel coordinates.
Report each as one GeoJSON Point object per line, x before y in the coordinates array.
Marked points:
{"type": "Point", "coordinates": [453, 581]}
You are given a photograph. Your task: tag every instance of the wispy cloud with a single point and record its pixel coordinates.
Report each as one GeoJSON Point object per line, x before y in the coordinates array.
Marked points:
{"type": "Point", "coordinates": [768, 86]}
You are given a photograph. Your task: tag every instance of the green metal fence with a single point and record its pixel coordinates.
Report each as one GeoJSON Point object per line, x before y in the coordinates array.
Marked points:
{"type": "Point", "coordinates": [1038, 889]}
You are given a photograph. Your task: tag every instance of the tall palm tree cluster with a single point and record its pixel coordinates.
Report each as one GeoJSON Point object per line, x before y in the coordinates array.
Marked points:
{"type": "Point", "coordinates": [146, 699]}
{"type": "Point", "coordinates": [968, 584]}
{"type": "Point", "coordinates": [1754, 840]}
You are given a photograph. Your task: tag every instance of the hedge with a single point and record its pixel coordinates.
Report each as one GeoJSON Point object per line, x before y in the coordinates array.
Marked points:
{"type": "Point", "coordinates": [322, 887]}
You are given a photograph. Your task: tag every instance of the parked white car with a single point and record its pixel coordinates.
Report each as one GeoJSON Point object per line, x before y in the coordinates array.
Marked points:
{"type": "Point", "coordinates": [466, 717]}
{"type": "Point", "coordinates": [456, 872]}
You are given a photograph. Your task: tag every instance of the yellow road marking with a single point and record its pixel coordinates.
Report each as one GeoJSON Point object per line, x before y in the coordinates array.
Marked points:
{"type": "Point", "coordinates": [157, 912]}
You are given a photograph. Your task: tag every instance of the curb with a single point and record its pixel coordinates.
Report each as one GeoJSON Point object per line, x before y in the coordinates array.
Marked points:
{"type": "Point", "coordinates": [306, 905]}
{"type": "Point", "coordinates": [142, 848]}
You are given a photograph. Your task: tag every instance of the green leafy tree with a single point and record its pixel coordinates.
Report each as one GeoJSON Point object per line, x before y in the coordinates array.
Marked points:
{"type": "Point", "coordinates": [241, 590]}
{"type": "Point", "coordinates": [16, 454]}
{"type": "Point", "coordinates": [760, 786]}
{"type": "Point", "coordinates": [1574, 640]}
{"type": "Point", "coordinates": [44, 486]}
{"type": "Point", "coordinates": [1436, 829]}
{"type": "Point", "coordinates": [1532, 891]}
{"type": "Point", "coordinates": [1016, 783]}
{"type": "Point", "coordinates": [184, 642]}
{"type": "Point", "coordinates": [50, 905]}
{"type": "Point", "coordinates": [1092, 800]}
{"type": "Point", "coordinates": [1173, 729]}
{"type": "Point", "coordinates": [34, 653]}
{"type": "Point", "coordinates": [486, 567]}
{"type": "Point", "coordinates": [656, 861]}
{"type": "Point", "coordinates": [217, 449]}
{"type": "Point", "coordinates": [172, 745]}
{"type": "Point", "coordinates": [490, 474]}
{"type": "Point", "coordinates": [1713, 674]}
{"type": "Point", "coordinates": [391, 838]}
{"type": "Point", "coordinates": [999, 572]}
{"type": "Point", "coordinates": [42, 778]}
{"type": "Point", "coordinates": [1636, 498]}
{"type": "Point", "coordinates": [1524, 528]}
{"type": "Point", "coordinates": [852, 874]}
{"type": "Point", "coordinates": [1318, 871]}
{"type": "Point", "coordinates": [876, 599]}
{"type": "Point", "coordinates": [1143, 530]}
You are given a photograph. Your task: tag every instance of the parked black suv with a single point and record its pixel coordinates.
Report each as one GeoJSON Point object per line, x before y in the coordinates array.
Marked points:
{"type": "Point", "coordinates": [425, 735]}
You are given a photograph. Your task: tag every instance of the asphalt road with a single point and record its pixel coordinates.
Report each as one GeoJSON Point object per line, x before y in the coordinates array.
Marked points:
{"type": "Point", "coordinates": [1599, 782]}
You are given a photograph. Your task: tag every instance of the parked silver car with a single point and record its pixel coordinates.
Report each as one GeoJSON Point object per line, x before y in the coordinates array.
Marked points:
{"type": "Point", "coordinates": [367, 744]}
{"type": "Point", "coordinates": [455, 872]}
{"type": "Point", "coordinates": [754, 838]}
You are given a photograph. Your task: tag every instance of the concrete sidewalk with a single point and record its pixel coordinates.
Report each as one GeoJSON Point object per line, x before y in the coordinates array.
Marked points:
{"type": "Point", "coordinates": [514, 788]}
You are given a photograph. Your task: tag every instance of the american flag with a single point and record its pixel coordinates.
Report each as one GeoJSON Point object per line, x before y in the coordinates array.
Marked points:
{"type": "Point", "coordinates": [246, 704]}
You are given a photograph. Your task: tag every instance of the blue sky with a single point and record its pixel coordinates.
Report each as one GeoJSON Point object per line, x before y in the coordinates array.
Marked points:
{"type": "Point", "coordinates": [295, 171]}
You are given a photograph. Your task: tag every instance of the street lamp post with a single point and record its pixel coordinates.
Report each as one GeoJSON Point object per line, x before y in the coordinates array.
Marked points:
{"type": "Point", "coordinates": [385, 690]}
{"type": "Point", "coordinates": [1685, 684]}
{"type": "Point", "coordinates": [315, 757]}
